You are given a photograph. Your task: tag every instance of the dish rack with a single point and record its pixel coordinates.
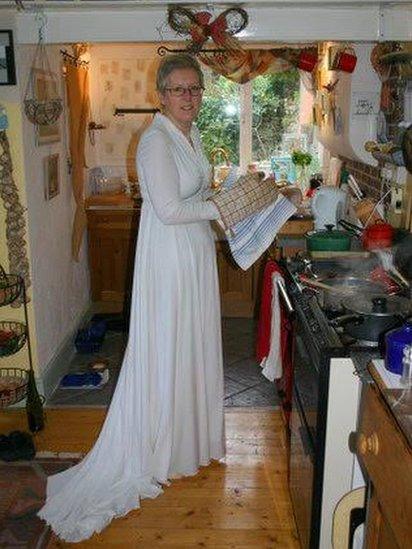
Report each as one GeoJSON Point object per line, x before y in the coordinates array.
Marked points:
{"type": "Point", "coordinates": [13, 337]}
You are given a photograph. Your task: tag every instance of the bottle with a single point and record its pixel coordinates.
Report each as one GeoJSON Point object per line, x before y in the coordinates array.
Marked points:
{"type": "Point", "coordinates": [34, 405]}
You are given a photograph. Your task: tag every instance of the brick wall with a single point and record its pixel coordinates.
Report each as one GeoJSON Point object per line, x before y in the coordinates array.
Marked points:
{"type": "Point", "coordinates": [368, 177]}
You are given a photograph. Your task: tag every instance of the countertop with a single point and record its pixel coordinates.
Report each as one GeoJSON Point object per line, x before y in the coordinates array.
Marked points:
{"type": "Point", "coordinates": [117, 201]}
{"type": "Point", "coordinates": [296, 225]}
{"type": "Point", "coordinates": [397, 397]}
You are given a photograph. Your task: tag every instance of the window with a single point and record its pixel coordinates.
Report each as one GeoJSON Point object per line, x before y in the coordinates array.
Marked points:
{"type": "Point", "coordinates": [254, 122]}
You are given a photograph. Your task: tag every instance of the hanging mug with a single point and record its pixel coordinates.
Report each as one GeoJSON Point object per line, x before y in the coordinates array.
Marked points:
{"type": "Point", "coordinates": [307, 60]}
{"type": "Point", "coordinates": [346, 60]}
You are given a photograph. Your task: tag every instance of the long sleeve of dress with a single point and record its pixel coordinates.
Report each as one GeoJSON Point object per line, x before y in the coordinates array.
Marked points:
{"type": "Point", "coordinates": [157, 167]}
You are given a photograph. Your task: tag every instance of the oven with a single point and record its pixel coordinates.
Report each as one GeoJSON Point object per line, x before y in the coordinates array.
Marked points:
{"type": "Point", "coordinates": [324, 408]}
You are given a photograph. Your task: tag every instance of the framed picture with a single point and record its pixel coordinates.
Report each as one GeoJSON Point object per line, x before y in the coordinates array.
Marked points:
{"type": "Point", "coordinates": [51, 176]}
{"type": "Point", "coordinates": [7, 66]}
{"type": "Point", "coordinates": [45, 86]}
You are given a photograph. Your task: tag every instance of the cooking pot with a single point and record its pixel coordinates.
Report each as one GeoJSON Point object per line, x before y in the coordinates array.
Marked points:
{"type": "Point", "coordinates": [328, 240]}
{"type": "Point", "coordinates": [370, 317]}
{"type": "Point", "coordinates": [343, 288]}
{"type": "Point", "coordinates": [377, 235]}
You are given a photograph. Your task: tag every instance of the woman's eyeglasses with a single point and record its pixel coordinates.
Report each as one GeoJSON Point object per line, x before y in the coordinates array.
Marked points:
{"type": "Point", "coordinates": [179, 91]}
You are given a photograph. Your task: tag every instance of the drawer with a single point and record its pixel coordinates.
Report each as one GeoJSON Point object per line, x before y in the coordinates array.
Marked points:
{"type": "Point", "coordinates": [111, 219]}
{"type": "Point", "coordinates": [387, 457]}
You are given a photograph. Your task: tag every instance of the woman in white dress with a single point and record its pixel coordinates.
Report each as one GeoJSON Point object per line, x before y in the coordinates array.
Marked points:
{"type": "Point", "coordinates": [166, 416]}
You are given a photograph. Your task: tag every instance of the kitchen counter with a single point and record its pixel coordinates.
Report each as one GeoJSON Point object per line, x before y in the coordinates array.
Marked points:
{"type": "Point", "coordinates": [117, 201]}
{"type": "Point", "coordinates": [397, 398]}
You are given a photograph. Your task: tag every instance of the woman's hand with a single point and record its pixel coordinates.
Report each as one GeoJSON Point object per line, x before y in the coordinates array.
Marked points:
{"type": "Point", "coordinates": [294, 194]}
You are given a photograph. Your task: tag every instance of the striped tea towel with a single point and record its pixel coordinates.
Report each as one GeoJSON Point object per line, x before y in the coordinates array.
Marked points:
{"type": "Point", "coordinates": [252, 236]}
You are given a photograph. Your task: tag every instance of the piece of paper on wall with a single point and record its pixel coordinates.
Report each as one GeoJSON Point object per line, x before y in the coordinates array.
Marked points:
{"type": "Point", "coordinates": [365, 103]}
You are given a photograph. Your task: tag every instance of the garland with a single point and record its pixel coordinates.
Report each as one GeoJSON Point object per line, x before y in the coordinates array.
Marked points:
{"type": "Point", "coordinates": [15, 221]}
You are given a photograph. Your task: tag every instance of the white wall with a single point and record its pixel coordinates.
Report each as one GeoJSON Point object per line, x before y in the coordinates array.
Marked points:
{"type": "Point", "coordinates": [60, 286]}
{"type": "Point", "coordinates": [282, 21]}
{"type": "Point", "coordinates": [349, 139]}
{"type": "Point", "coordinates": [121, 75]}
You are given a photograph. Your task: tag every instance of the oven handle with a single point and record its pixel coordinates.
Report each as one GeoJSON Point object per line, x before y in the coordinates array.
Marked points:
{"type": "Point", "coordinates": [305, 442]}
{"type": "Point", "coordinates": [285, 298]}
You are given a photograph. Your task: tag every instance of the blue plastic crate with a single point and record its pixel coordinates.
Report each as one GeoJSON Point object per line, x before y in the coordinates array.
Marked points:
{"type": "Point", "coordinates": [90, 339]}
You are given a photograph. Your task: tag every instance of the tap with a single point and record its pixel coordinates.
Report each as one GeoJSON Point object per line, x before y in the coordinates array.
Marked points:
{"type": "Point", "coordinates": [216, 184]}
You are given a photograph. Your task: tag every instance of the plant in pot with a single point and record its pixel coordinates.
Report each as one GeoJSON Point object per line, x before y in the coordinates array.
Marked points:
{"type": "Point", "coordinates": [301, 160]}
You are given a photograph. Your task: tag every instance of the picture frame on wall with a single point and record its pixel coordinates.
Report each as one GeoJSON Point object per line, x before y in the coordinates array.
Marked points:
{"type": "Point", "coordinates": [7, 63]}
{"type": "Point", "coordinates": [45, 86]}
{"type": "Point", "coordinates": [51, 176]}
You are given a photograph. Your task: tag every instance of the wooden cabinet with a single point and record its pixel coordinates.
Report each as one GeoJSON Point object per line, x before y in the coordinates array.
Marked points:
{"type": "Point", "coordinates": [239, 289]}
{"type": "Point", "coordinates": [386, 455]}
{"type": "Point", "coordinates": [112, 241]}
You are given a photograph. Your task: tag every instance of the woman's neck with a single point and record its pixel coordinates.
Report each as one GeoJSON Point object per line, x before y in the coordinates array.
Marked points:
{"type": "Point", "coordinates": [184, 128]}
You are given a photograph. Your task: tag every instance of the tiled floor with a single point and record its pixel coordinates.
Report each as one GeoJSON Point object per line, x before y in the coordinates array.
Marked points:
{"type": "Point", "coordinates": [244, 383]}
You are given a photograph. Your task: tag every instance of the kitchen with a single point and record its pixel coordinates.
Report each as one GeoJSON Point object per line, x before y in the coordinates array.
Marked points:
{"type": "Point", "coordinates": [60, 286]}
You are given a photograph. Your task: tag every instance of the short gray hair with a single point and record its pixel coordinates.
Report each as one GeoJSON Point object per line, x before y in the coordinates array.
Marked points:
{"type": "Point", "coordinates": [175, 62]}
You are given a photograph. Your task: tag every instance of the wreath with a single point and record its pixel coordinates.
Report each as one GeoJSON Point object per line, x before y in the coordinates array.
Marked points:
{"type": "Point", "coordinates": [200, 27]}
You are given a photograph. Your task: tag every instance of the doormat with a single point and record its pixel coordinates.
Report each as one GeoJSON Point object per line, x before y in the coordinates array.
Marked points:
{"type": "Point", "coordinates": [22, 494]}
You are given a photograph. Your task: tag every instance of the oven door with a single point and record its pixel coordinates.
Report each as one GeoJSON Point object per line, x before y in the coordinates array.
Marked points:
{"type": "Point", "coordinates": [301, 472]}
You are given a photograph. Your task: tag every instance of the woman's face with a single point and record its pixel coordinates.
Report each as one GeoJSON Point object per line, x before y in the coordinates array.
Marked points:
{"type": "Point", "coordinates": [182, 109]}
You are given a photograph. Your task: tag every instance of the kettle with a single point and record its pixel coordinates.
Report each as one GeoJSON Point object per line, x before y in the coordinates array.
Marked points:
{"type": "Point", "coordinates": [328, 206]}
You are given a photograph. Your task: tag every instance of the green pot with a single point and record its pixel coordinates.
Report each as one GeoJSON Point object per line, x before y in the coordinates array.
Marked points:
{"type": "Point", "coordinates": [328, 240]}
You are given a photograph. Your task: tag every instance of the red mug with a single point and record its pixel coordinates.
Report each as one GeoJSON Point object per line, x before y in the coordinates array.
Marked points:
{"type": "Point", "coordinates": [307, 61]}
{"type": "Point", "coordinates": [346, 61]}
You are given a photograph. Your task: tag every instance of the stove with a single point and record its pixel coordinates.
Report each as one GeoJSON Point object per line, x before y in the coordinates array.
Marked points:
{"type": "Point", "coordinates": [324, 409]}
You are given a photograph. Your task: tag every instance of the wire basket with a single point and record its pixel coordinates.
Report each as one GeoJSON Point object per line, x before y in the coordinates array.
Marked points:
{"type": "Point", "coordinates": [13, 336]}
{"type": "Point", "coordinates": [10, 287]}
{"type": "Point", "coordinates": [43, 113]}
{"type": "Point", "coordinates": [13, 385]}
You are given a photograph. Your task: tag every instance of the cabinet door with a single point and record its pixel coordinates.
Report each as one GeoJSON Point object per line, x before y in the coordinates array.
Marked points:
{"type": "Point", "coordinates": [238, 288]}
{"type": "Point", "coordinates": [112, 241]}
{"type": "Point", "coordinates": [379, 534]}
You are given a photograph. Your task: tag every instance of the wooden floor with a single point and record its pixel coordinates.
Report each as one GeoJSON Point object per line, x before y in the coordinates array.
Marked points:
{"type": "Point", "coordinates": [243, 502]}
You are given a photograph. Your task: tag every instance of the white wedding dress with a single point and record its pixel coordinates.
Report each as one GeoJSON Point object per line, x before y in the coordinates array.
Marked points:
{"type": "Point", "coordinates": [166, 415]}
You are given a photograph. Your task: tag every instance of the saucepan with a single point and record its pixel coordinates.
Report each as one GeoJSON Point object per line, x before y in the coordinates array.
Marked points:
{"type": "Point", "coordinates": [370, 317]}
{"type": "Point", "coordinates": [336, 290]}
{"type": "Point", "coordinates": [374, 236]}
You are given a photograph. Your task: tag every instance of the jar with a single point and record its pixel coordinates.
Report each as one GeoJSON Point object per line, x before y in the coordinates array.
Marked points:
{"type": "Point", "coordinates": [396, 341]}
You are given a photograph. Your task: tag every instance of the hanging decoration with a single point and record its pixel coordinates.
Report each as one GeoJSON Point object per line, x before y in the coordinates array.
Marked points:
{"type": "Point", "coordinates": [200, 27]}
{"type": "Point", "coordinates": [44, 110]}
{"type": "Point", "coordinates": [15, 218]}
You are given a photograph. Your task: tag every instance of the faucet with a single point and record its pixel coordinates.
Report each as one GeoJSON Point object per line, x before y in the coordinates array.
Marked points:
{"type": "Point", "coordinates": [216, 184]}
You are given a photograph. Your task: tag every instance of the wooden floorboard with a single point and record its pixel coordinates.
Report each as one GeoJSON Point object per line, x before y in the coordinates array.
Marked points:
{"type": "Point", "coordinates": [242, 502]}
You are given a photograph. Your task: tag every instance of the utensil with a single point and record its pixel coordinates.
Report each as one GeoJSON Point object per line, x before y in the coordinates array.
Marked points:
{"type": "Point", "coordinates": [386, 258]}
{"type": "Point", "coordinates": [371, 317]}
{"type": "Point", "coordinates": [407, 148]}
{"type": "Point", "coordinates": [328, 240]}
{"type": "Point", "coordinates": [378, 235]}
{"type": "Point", "coordinates": [338, 288]}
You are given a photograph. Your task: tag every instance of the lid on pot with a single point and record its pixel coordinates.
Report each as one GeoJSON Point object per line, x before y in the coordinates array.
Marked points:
{"type": "Point", "coordinates": [329, 232]}
{"type": "Point", "coordinates": [378, 305]}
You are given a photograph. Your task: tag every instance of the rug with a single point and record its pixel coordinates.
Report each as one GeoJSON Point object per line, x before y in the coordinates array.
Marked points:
{"type": "Point", "coordinates": [22, 494]}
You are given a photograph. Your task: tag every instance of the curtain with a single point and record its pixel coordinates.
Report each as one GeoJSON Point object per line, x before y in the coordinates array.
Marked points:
{"type": "Point", "coordinates": [244, 65]}
{"type": "Point", "coordinates": [78, 98]}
